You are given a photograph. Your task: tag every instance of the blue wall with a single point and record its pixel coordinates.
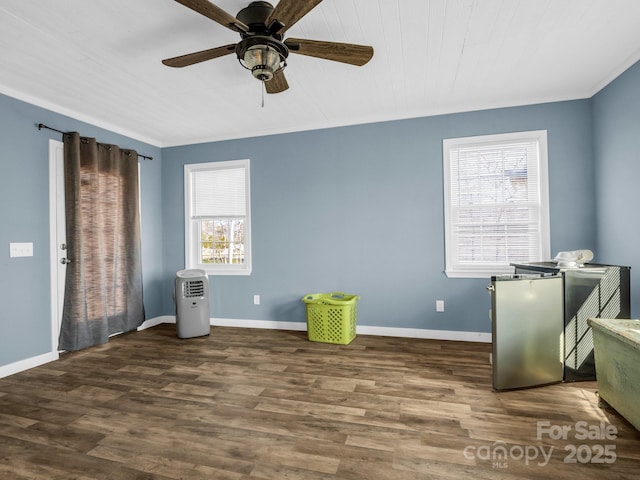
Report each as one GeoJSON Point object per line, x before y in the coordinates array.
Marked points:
{"type": "Point", "coordinates": [25, 313]}
{"type": "Point", "coordinates": [357, 209]}
{"type": "Point", "coordinates": [360, 209]}
{"type": "Point", "coordinates": [616, 113]}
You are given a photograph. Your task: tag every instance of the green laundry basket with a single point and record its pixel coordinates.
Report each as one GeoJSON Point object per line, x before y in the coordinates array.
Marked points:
{"type": "Point", "coordinates": [331, 317]}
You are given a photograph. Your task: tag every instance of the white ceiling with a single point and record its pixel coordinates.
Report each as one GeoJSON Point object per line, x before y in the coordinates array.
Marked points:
{"type": "Point", "coordinates": [100, 61]}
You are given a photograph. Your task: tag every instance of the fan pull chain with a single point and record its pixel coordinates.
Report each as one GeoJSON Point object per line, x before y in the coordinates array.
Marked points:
{"type": "Point", "coordinates": [263, 89]}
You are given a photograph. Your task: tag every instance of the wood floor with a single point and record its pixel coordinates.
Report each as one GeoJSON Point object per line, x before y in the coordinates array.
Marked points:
{"type": "Point", "coordinates": [244, 404]}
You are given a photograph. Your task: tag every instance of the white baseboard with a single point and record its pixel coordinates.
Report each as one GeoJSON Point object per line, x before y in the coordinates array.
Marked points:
{"type": "Point", "coordinates": [26, 364]}
{"type": "Point", "coordinates": [157, 321]}
{"type": "Point", "coordinates": [265, 324]}
{"type": "Point", "coordinates": [361, 329]}
{"type": "Point", "coordinates": [427, 334]}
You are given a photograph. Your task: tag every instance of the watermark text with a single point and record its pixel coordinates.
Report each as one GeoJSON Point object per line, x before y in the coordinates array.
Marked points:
{"type": "Point", "coordinates": [587, 443]}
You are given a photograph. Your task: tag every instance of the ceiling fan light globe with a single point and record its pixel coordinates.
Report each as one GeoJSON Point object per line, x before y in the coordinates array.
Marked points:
{"type": "Point", "coordinates": [262, 61]}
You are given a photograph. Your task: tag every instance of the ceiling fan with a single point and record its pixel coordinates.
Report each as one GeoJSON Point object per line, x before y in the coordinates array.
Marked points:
{"type": "Point", "coordinates": [262, 49]}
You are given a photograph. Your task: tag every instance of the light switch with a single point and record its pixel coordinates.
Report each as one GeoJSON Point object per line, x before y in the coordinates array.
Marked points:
{"type": "Point", "coordinates": [21, 249]}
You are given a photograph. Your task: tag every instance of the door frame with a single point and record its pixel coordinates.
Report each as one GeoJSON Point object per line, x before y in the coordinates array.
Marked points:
{"type": "Point", "coordinates": [56, 221]}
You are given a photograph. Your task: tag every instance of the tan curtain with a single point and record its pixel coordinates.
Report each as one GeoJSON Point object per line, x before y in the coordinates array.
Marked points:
{"type": "Point", "coordinates": [103, 292]}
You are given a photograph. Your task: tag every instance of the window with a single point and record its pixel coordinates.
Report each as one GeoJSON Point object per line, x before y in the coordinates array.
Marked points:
{"type": "Point", "coordinates": [496, 202]}
{"type": "Point", "coordinates": [217, 215]}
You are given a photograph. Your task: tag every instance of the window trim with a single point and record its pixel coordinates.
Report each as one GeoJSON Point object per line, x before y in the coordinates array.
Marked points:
{"type": "Point", "coordinates": [191, 225]}
{"type": "Point", "coordinates": [452, 268]}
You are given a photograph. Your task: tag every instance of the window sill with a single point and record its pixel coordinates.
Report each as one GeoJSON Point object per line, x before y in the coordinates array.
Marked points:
{"type": "Point", "coordinates": [224, 272]}
{"type": "Point", "coordinates": [480, 273]}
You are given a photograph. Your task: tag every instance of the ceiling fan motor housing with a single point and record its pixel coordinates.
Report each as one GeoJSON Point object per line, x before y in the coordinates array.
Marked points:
{"type": "Point", "coordinates": [255, 16]}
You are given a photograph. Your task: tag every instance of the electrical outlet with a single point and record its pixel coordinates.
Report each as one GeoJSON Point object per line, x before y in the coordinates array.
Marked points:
{"type": "Point", "coordinates": [256, 299]}
{"type": "Point", "coordinates": [439, 305]}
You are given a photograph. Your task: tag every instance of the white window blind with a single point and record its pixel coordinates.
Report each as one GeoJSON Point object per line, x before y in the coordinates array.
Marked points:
{"type": "Point", "coordinates": [217, 215]}
{"type": "Point", "coordinates": [496, 203]}
{"type": "Point", "coordinates": [219, 192]}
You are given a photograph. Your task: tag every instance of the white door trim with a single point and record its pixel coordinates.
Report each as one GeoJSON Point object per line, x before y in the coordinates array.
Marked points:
{"type": "Point", "coordinates": [56, 188]}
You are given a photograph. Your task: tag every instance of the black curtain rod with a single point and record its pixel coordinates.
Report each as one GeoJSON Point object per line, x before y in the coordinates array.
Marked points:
{"type": "Point", "coordinates": [42, 125]}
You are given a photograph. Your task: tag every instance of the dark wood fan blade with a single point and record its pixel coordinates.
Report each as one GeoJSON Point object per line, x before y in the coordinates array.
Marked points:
{"type": "Point", "coordinates": [215, 13]}
{"type": "Point", "coordinates": [277, 84]}
{"type": "Point", "coordinates": [338, 52]}
{"type": "Point", "coordinates": [288, 12]}
{"type": "Point", "coordinates": [197, 57]}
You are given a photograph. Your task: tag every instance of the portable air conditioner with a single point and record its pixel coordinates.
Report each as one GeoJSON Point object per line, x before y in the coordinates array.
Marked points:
{"type": "Point", "coordinates": [192, 303]}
